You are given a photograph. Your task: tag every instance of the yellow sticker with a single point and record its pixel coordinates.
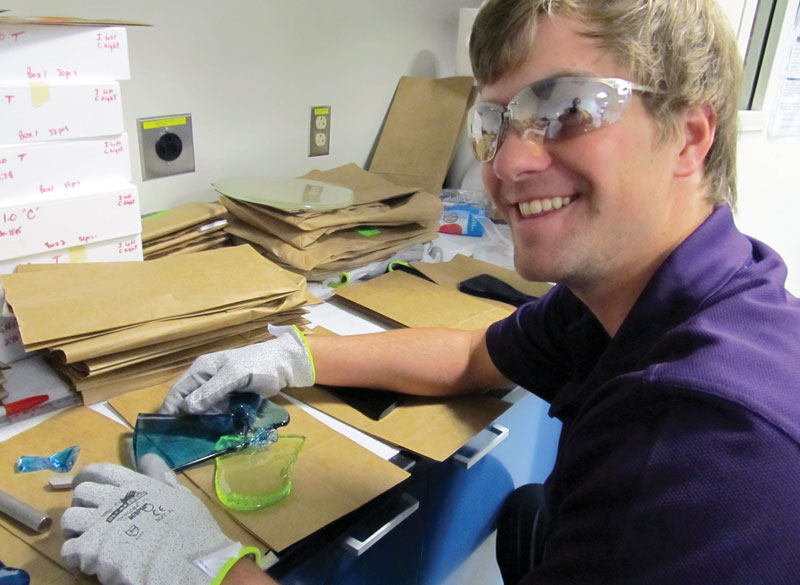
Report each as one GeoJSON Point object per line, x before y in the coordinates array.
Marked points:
{"type": "Point", "coordinates": [40, 93]}
{"type": "Point", "coordinates": [77, 254]}
{"type": "Point", "coordinates": [163, 122]}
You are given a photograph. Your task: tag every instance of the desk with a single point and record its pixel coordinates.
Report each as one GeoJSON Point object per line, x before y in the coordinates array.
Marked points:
{"type": "Point", "coordinates": [447, 508]}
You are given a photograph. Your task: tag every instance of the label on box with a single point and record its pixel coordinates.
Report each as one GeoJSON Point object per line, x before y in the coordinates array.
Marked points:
{"type": "Point", "coordinates": [46, 53]}
{"type": "Point", "coordinates": [43, 111]}
{"type": "Point", "coordinates": [57, 170]}
{"type": "Point", "coordinates": [461, 219]}
{"type": "Point", "coordinates": [51, 225]}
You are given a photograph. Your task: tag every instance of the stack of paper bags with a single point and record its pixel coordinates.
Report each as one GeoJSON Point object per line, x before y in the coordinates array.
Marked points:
{"type": "Point", "coordinates": [190, 227]}
{"type": "Point", "coordinates": [109, 328]}
{"type": "Point", "coordinates": [382, 220]}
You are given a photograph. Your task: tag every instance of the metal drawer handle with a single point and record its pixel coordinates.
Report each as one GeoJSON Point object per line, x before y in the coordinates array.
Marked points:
{"type": "Point", "coordinates": [479, 447]}
{"type": "Point", "coordinates": [359, 546]}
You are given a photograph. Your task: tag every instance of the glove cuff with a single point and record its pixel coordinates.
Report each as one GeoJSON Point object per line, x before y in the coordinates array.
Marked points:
{"type": "Point", "coordinates": [300, 372]}
{"type": "Point", "coordinates": [218, 563]}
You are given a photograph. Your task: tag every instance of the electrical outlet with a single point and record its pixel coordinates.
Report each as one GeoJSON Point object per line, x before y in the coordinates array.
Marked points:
{"type": "Point", "coordinates": [165, 146]}
{"type": "Point", "coordinates": [320, 137]}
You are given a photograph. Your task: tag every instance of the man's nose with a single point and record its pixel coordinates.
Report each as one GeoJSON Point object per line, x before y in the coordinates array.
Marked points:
{"type": "Point", "coordinates": [520, 153]}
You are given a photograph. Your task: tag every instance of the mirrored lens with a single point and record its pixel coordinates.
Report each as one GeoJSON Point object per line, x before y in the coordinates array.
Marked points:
{"type": "Point", "coordinates": [551, 109]}
{"type": "Point", "coordinates": [486, 130]}
{"type": "Point", "coordinates": [568, 106]}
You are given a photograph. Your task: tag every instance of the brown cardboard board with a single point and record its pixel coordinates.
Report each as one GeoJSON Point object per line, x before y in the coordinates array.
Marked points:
{"type": "Point", "coordinates": [449, 274]}
{"type": "Point", "coordinates": [433, 427]}
{"type": "Point", "coordinates": [20, 555]}
{"type": "Point", "coordinates": [101, 441]}
{"type": "Point", "coordinates": [333, 475]}
{"type": "Point", "coordinates": [411, 301]}
{"type": "Point", "coordinates": [421, 132]}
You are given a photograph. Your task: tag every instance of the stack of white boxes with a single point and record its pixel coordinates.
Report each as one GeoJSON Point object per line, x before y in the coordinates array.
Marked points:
{"type": "Point", "coordinates": [65, 171]}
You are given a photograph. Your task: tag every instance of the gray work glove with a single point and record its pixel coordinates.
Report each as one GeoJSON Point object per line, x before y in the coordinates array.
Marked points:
{"type": "Point", "coordinates": [265, 368]}
{"type": "Point", "coordinates": [131, 529]}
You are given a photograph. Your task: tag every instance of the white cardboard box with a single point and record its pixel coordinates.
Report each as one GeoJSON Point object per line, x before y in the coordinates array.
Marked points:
{"type": "Point", "coordinates": [128, 248]}
{"type": "Point", "coordinates": [38, 112]}
{"type": "Point", "coordinates": [48, 53]}
{"type": "Point", "coordinates": [51, 225]}
{"type": "Point", "coordinates": [59, 169]}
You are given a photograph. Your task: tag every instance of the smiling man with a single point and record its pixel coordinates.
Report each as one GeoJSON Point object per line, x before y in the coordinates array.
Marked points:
{"type": "Point", "coordinates": [669, 347]}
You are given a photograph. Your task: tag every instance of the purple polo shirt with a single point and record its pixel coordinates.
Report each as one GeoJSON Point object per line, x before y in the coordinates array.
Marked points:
{"type": "Point", "coordinates": [679, 457]}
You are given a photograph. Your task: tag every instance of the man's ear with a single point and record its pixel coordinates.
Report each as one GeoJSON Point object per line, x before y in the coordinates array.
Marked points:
{"type": "Point", "coordinates": [699, 130]}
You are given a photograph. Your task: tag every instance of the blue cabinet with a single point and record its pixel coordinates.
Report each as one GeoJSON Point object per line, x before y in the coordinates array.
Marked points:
{"type": "Point", "coordinates": [464, 502]}
{"type": "Point", "coordinates": [455, 506]}
{"type": "Point", "coordinates": [346, 555]}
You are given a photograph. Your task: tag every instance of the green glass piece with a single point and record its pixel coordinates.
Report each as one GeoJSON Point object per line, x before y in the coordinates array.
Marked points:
{"type": "Point", "coordinates": [258, 476]}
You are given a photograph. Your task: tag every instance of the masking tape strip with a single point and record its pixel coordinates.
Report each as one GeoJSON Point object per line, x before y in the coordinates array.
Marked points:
{"type": "Point", "coordinates": [77, 254]}
{"type": "Point", "coordinates": [40, 93]}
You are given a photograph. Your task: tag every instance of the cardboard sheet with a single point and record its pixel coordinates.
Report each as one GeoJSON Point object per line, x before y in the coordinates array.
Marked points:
{"type": "Point", "coordinates": [20, 555]}
{"type": "Point", "coordinates": [410, 301]}
{"type": "Point", "coordinates": [87, 298]}
{"type": "Point", "coordinates": [102, 441]}
{"type": "Point", "coordinates": [449, 274]}
{"type": "Point", "coordinates": [333, 475]}
{"type": "Point", "coordinates": [419, 137]}
{"type": "Point", "coordinates": [433, 427]}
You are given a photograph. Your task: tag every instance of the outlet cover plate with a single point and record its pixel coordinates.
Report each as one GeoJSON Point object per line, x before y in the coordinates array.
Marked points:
{"type": "Point", "coordinates": [320, 136]}
{"type": "Point", "coordinates": [166, 146]}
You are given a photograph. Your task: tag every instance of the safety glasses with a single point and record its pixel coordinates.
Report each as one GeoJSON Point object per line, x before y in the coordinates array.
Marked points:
{"type": "Point", "coordinates": [551, 110]}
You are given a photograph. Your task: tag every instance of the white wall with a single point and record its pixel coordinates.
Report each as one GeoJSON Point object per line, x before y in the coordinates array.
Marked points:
{"type": "Point", "coordinates": [248, 71]}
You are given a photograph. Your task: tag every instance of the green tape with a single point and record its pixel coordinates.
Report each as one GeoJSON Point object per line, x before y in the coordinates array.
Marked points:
{"type": "Point", "coordinates": [372, 232]}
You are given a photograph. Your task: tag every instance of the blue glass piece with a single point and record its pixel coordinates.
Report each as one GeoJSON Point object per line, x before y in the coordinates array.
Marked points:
{"type": "Point", "coordinates": [61, 462]}
{"type": "Point", "coordinates": [12, 576]}
{"type": "Point", "coordinates": [186, 440]}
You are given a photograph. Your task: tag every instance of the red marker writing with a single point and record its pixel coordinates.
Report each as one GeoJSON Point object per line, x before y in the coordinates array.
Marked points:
{"type": "Point", "coordinates": [21, 405]}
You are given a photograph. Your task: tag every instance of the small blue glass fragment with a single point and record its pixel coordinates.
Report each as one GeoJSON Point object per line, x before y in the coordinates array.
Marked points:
{"type": "Point", "coordinates": [12, 576]}
{"type": "Point", "coordinates": [60, 462]}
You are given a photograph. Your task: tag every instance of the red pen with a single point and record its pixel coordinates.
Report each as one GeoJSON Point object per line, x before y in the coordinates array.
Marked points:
{"type": "Point", "coordinates": [22, 405]}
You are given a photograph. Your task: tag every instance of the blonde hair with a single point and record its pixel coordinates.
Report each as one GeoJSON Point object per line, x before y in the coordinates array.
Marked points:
{"type": "Point", "coordinates": [685, 48]}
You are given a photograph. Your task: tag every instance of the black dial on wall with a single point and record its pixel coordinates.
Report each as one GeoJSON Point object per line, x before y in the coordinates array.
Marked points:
{"type": "Point", "coordinates": [169, 147]}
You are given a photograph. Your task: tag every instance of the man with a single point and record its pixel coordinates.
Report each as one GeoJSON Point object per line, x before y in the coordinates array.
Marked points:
{"type": "Point", "coordinates": [669, 347]}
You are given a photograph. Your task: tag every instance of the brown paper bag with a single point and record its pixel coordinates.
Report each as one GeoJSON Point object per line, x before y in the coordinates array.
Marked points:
{"type": "Point", "coordinates": [87, 298]}
{"type": "Point", "coordinates": [421, 132]}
